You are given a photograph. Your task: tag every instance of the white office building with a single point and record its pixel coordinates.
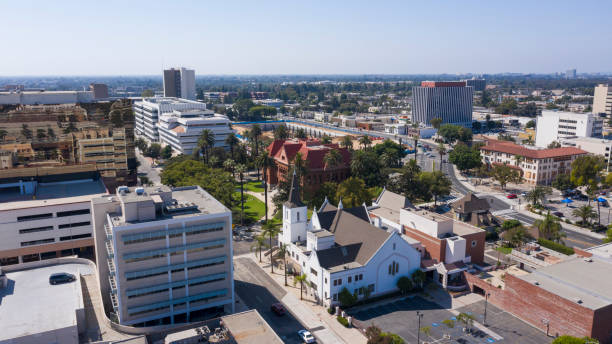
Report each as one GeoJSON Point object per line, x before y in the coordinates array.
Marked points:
{"type": "Point", "coordinates": [556, 125]}
{"type": "Point", "coordinates": [179, 83]}
{"type": "Point", "coordinates": [45, 97]}
{"type": "Point", "coordinates": [602, 100]}
{"type": "Point", "coordinates": [181, 129]}
{"type": "Point", "coordinates": [148, 110]}
{"type": "Point", "coordinates": [592, 145]}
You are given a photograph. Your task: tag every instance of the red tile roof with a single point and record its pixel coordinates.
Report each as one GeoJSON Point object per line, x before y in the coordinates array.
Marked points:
{"type": "Point", "coordinates": [514, 149]}
{"type": "Point", "coordinates": [312, 151]}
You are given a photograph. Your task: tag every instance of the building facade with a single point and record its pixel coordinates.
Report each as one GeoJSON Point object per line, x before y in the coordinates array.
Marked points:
{"type": "Point", "coordinates": [555, 125]}
{"type": "Point", "coordinates": [477, 84]}
{"type": "Point", "coordinates": [100, 91]}
{"type": "Point", "coordinates": [148, 110]}
{"type": "Point", "coordinates": [537, 166]}
{"type": "Point", "coordinates": [181, 129]}
{"type": "Point", "coordinates": [179, 83]}
{"type": "Point", "coordinates": [602, 100]}
{"type": "Point", "coordinates": [45, 97]}
{"type": "Point", "coordinates": [450, 101]}
{"type": "Point", "coordinates": [596, 146]}
{"type": "Point", "coordinates": [164, 255]}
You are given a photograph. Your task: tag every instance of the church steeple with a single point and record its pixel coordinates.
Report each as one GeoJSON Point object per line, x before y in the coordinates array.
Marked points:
{"type": "Point", "coordinates": [294, 200]}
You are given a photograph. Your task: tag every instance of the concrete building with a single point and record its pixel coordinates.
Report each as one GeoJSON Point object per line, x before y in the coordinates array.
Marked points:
{"type": "Point", "coordinates": [181, 129]}
{"type": "Point", "coordinates": [108, 153]}
{"type": "Point", "coordinates": [322, 116]}
{"type": "Point", "coordinates": [592, 145]}
{"type": "Point", "coordinates": [339, 248]}
{"type": "Point", "coordinates": [179, 83]}
{"type": "Point", "coordinates": [602, 100]}
{"type": "Point", "coordinates": [477, 84]}
{"type": "Point", "coordinates": [100, 91]}
{"type": "Point", "coordinates": [537, 166]}
{"type": "Point", "coordinates": [164, 255]}
{"type": "Point", "coordinates": [42, 219]}
{"type": "Point", "coordinates": [450, 101]}
{"type": "Point", "coordinates": [45, 97]}
{"type": "Point", "coordinates": [148, 110]}
{"type": "Point", "coordinates": [396, 128]}
{"type": "Point", "coordinates": [555, 125]}
{"type": "Point", "coordinates": [570, 73]}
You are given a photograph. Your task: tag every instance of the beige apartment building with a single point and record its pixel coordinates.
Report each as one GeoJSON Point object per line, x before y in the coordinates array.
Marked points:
{"type": "Point", "coordinates": [164, 255]}
{"type": "Point", "coordinates": [108, 153]}
{"type": "Point", "coordinates": [537, 166]}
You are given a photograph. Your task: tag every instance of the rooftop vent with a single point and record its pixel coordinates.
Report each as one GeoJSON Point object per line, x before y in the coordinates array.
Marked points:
{"type": "Point", "coordinates": [176, 207]}
{"type": "Point", "coordinates": [140, 190]}
{"type": "Point", "coordinates": [536, 282]}
{"type": "Point", "coordinates": [122, 190]}
{"type": "Point", "coordinates": [578, 300]}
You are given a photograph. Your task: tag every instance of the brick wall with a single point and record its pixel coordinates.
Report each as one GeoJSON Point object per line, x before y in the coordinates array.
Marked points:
{"type": "Point", "coordinates": [434, 248]}
{"type": "Point", "coordinates": [477, 252]}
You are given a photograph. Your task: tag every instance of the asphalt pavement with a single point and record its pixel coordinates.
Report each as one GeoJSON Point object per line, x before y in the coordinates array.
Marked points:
{"type": "Point", "coordinates": [145, 169]}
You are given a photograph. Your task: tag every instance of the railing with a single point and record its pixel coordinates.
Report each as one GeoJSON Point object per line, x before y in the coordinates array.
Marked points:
{"type": "Point", "coordinates": [111, 266]}
{"type": "Point", "coordinates": [115, 302]}
{"type": "Point", "coordinates": [109, 232]}
{"type": "Point", "coordinates": [113, 284]}
{"type": "Point", "coordinates": [109, 250]}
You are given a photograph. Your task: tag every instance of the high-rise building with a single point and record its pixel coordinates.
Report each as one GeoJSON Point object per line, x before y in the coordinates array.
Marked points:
{"type": "Point", "coordinates": [100, 91]}
{"type": "Point", "coordinates": [164, 255]}
{"type": "Point", "coordinates": [570, 74]}
{"type": "Point", "coordinates": [602, 101]}
{"type": "Point", "coordinates": [554, 125]}
{"type": "Point", "coordinates": [477, 84]}
{"type": "Point", "coordinates": [450, 101]}
{"type": "Point", "coordinates": [180, 83]}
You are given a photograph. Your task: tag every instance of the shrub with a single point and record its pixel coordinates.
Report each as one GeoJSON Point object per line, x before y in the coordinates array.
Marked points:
{"type": "Point", "coordinates": [404, 284]}
{"type": "Point", "coordinates": [331, 310]}
{"type": "Point", "coordinates": [342, 320]}
{"type": "Point", "coordinates": [568, 221]}
{"type": "Point", "coordinates": [449, 323]}
{"type": "Point", "coordinates": [346, 298]}
{"type": "Point", "coordinates": [556, 246]}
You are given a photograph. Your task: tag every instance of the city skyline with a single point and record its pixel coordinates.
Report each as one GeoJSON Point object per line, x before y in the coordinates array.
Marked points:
{"type": "Point", "coordinates": [276, 38]}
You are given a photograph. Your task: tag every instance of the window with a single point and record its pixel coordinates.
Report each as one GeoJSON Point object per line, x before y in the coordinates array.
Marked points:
{"type": "Point", "coordinates": [350, 279]}
{"type": "Point", "coordinates": [326, 295]}
{"type": "Point", "coordinates": [37, 242]}
{"type": "Point", "coordinates": [335, 297]}
{"type": "Point", "coordinates": [393, 268]}
{"type": "Point", "coordinates": [371, 288]}
{"type": "Point", "coordinates": [37, 229]}
{"type": "Point", "coordinates": [474, 242]}
{"type": "Point", "coordinates": [73, 212]}
{"type": "Point", "coordinates": [76, 224]}
{"type": "Point", "coordinates": [313, 271]}
{"type": "Point", "coordinates": [205, 230]}
{"type": "Point", "coordinates": [34, 217]}
{"type": "Point", "coordinates": [74, 237]}
{"type": "Point", "coordinates": [325, 280]}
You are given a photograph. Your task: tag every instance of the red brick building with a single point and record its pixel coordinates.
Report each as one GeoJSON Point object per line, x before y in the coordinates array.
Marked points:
{"type": "Point", "coordinates": [313, 152]}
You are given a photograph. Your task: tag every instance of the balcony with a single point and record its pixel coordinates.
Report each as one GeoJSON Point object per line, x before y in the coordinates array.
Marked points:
{"type": "Point", "coordinates": [115, 302]}
{"type": "Point", "coordinates": [113, 285]}
{"type": "Point", "coordinates": [109, 250]}
{"type": "Point", "coordinates": [109, 232]}
{"type": "Point", "coordinates": [111, 267]}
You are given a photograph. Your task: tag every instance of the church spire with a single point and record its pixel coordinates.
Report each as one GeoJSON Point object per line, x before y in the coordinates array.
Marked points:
{"type": "Point", "coordinates": [294, 200]}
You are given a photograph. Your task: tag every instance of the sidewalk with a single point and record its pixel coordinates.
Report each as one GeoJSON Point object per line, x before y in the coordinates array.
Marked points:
{"type": "Point", "coordinates": [321, 324]}
{"type": "Point", "coordinates": [261, 197]}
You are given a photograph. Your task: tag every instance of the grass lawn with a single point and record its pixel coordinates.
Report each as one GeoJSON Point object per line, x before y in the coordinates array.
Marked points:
{"type": "Point", "coordinates": [504, 250]}
{"type": "Point", "coordinates": [254, 186]}
{"type": "Point", "coordinates": [254, 209]}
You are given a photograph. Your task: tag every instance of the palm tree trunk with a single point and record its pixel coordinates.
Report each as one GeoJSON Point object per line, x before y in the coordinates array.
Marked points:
{"type": "Point", "coordinates": [271, 256]}
{"type": "Point", "coordinates": [598, 214]}
{"type": "Point", "coordinates": [232, 151]}
{"type": "Point", "coordinates": [440, 162]}
{"type": "Point", "coordinates": [242, 201]}
{"type": "Point", "coordinates": [265, 172]}
{"type": "Point", "coordinates": [416, 149]}
{"type": "Point", "coordinates": [285, 264]}
{"type": "Point", "coordinates": [260, 254]}
{"type": "Point", "coordinates": [301, 286]}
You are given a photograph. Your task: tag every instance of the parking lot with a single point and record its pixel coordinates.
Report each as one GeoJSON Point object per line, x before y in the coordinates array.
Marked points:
{"type": "Point", "coordinates": [400, 317]}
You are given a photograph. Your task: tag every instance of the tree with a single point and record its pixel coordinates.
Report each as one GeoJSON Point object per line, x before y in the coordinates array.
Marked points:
{"type": "Point", "coordinates": [300, 166]}
{"type": "Point", "coordinates": [261, 111]}
{"type": "Point", "coordinates": [346, 299]}
{"type": "Point", "coordinates": [419, 278]}
{"type": "Point", "coordinates": [538, 194]}
{"type": "Point", "coordinates": [326, 139]}
{"type": "Point", "coordinates": [232, 141]}
{"type": "Point", "coordinates": [230, 165]}
{"type": "Point", "coordinates": [442, 151]}
{"type": "Point", "coordinates": [554, 144]}
{"type": "Point", "coordinates": [452, 133]}
{"type": "Point", "coordinates": [327, 189]}
{"type": "Point", "coordinates": [550, 228]}
{"type": "Point", "coordinates": [241, 169]}
{"type": "Point", "coordinates": [374, 335]}
{"type": "Point", "coordinates": [147, 93]}
{"type": "Point", "coordinates": [436, 122]}
{"type": "Point", "coordinates": [40, 133]}
{"type": "Point", "coordinates": [141, 144]}
{"type": "Point", "coordinates": [504, 174]}
{"type": "Point", "coordinates": [465, 158]}
{"type": "Point", "coordinates": [332, 159]}
{"type": "Point", "coordinates": [404, 284]}
{"type": "Point", "coordinates": [426, 330]}
{"type": "Point", "coordinates": [166, 152]}
{"type": "Point", "coordinates": [347, 142]}
{"type": "Point", "coordinates": [301, 279]}
{"type": "Point", "coordinates": [270, 230]}
{"type": "Point", "coordinates": [365, 165]}
{"type": "Point", "coordinates": [466, 319]}
{"type": "Point", "coordinates": [574, 340]}
{"type": "Point", "coordinates": [153, 151]}
{"type": "Point", "coordinates": [50, 133]}
{"type": "Point", "coordinates": [476, 126]}
{"type": "Point", "coordinates": [393, 152]}
{"type": "Point", "coordinates": [116, 118]}
{"type": "Point", "coordinates": [206, 141]}
{"type": "Point", "coordinates": [365, 141]}
{"type": "Point", "coordinates": [259, 244]}
{"type": "Point", "coordinates": [242, 106]}
{"type": "Point", "coordinates": [281, 132]}
{"type": "Point", "coordinates": [509, 224]}
{"type": "Point", "coordinates": [300, 134]}
{"type": "Point", "coordinates": [266, 162]}
{"type": "Point", "coordinates": [585, 170]}
{"type": "Point", "coordinates": [353, 192]}
{"type": "Point", "coordinates": [516, 236]}
{"type": "Point", "coordinates": [586, 213]}
{"type": "Point", "coordinates": [436, 183]}
{"type": "Point", "coordinates": [563, 182]}
{"type": "Point", "coordinates": [608, 237]}
{"type": "Point", "coordinates": [26, 132]}
{"type": "Point", "coordinates": [530, 124]}
{"type": "Point", "coordinates": [409, 183]}
{"type": "Point", "coordinates": [282, 252]}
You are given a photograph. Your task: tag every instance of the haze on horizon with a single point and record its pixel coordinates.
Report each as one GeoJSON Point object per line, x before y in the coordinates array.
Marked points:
{"type": "Point", "coordinates": [318, 37]}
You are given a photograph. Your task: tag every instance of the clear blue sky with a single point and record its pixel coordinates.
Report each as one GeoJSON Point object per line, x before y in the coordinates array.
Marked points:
{"type": "Point", "coordinates": [132, 37]}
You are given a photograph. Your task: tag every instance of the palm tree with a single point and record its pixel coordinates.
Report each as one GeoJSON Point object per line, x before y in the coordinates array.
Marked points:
{"type": "Point", "coordinates": [300, 165]}
{"type": "Point", "coordinates": [231, 140]}
{"type": "Point", "coordinates": [538, 194]}
{"type": "Point", "coordinates": [416, 142]}
{"type": "Point", "coordinates": [518, 159]}
{"type": "Point", "coordinates": [300, 134]}
{"type": "Point", "coordinates": [419, 277]}
{"type": "Point", "coordinates": [550, 228]}
{"type": "Point", "coordinates": [260, 242]}
{"type": "Point", "coordinates": [206, 141]}
{"type": "Point", "coordinates": [347, 142]}
{"type": "Point", "coordinates": [213, 161]}
{"type": "Point", "coordinates": [230, 165]}
{"type": "Point", "coordinates": [585, 212]}
{"type": "Point", "coordinates": [240, 168]}
{"type": "Point", "coordinates": [365, 141]}
{"type": "Point", "coordinates": [283, 252]}
{"type": "Point", "coordinates": [441, 150]}
{"type": "Point", "coordinates": [466, 319]}
{"type": "Point", "coordinates": [301, 279]}
{"type": "Point", "coordinates": [332, 159]}
{"type": "Point", "coordinates": [326, 139]}
{"type": "Point", "coordinates": [387, 159]}
{"type": "Point", "coordinates": [265, 161]}
{"type": "Point", "coordinates": [270, 230]}
{"type": "Point", "coordinates": [255, 135]}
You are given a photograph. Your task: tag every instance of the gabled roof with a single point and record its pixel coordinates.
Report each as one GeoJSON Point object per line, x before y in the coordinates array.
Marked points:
{"type": "Point", "coordinates": [338, 255]}
{"type": "Point", "coordinates": [312, 151]}
{"type": "Point", "coordinates": [470, 203]}
{"type": "Point", "coordinates": [391, 200]}
{"type": "Point", "coordinates": [514, 149]}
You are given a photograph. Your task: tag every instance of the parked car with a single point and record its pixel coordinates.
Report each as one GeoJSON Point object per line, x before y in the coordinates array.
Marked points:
{"type": "Point", "coordinates": [524, 193]}
{"type": "Point", "coordinates": [61, 278]}
{"type": "Point", "coordinates": [511, 196]}
{"type": "Point", "coordinates": [278, 309]}
{"type": "Point", "coordinates": [306, 336]}
{"type": "Point", "coordinates": [580, 197]}
{"type": "Point", "coordinates": [603, 193]}
{"type": "Point", "coordinates": [558, 214]}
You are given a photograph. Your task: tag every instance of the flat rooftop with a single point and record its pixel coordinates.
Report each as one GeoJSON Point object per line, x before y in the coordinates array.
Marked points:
{"type": "Point", "coordinates": [53, 194]}
{"type": "Point", "coordinates": [250, 328]}
{"type": "Point", "coordinates": [584, 282]}
{"type": "Point", "coordinates": [30, 305]}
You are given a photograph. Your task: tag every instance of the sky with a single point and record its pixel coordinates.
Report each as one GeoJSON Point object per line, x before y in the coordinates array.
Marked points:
{"type": "Point", "coordinates": [133, 37]}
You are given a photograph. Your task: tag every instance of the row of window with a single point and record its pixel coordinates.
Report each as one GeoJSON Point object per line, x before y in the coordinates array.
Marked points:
{"type": "Point", "coordinates": [158, 273]}
{"type": "Point", "coordinates": [74, 237]}
{"type": "Point", "coordinates": [393, 268]}
{"type": "Point", "coordinates": [173, 253]}
{"type": "Point", "coordinates": [177, 288]}
{"type": "Point", "coordinates": [338, 281]}
{"type": "Point", "coordinates": [358, 291]}
{"type": "Point", "coordinates": [173, 234]}
{"type": "Point", "coordinates": [50, 228]}
{"type": "Point", "coordinates": [50, 215]}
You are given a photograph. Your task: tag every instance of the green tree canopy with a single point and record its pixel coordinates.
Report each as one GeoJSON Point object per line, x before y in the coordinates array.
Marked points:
{"type": "Point", "coordinates": [365, 165]}
{"type": "Point", "coordinates": [465, 158]}
{"type": "Point", "coordinates": [504, 174]}
{"type": "Point", "coordinates": [353, 193]}
{"type": "Point", "coordinates": [586, 170]}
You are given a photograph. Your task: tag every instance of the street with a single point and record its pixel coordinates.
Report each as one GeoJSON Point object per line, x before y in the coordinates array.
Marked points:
{"type": "Point", "coordinates": [145, 169]}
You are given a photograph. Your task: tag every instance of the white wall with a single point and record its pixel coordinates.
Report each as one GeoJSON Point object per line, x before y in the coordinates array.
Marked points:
{"type": "Point", "coordinates": [423, 222]}
{"type": "Point", "coordinates": [455, 249]}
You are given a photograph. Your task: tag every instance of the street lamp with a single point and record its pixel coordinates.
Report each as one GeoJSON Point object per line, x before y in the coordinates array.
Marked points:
{"type": "Point", "coordinates": [419, 316]}
{"type": "Point", "coordinates": [484, 321]}
{"type": "Point", "coordinates": [547, 323]}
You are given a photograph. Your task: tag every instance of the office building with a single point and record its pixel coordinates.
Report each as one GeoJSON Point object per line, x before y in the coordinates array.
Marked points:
{"type": "Point", "coordinates": [179, 83]}
{"type": "Point", "coordinates": [596, 146]}
{"type": "Point", "coordinates": [555, 125]}
{"type": "Point", "coordinates": [450, 101]}
{"type": "Point", "coordinates": [602, 100]}
{"type": "Point", "coordinates": [477, 84]}
{"type": "Point", "coordinates": [181, 129]}
{"type": "Point", "coordinates": [45, 97]}
{"type": "Point", "coordinates": [537, 166]}
{"type": "Point", "coordinates": [570, 73]}
{"type": "Point", "coordinates": [100, 91]}
{"type": "Point", "coordinates": [46, 217]}
{"type": "Point", "coordinates": [164, 255]}
{"type": "Point", "coordinates": [148, 110]}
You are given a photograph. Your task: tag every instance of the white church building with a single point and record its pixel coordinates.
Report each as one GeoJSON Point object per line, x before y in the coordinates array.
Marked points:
{"type": "Point", "coordinates": [340, 248]}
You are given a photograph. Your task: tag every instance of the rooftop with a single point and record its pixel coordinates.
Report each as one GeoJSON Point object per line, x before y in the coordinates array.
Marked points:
{"type": "Point", "coordinates": [52, 194]}
{"type": "Point", "coordinates": [30, 305]}
{"type": "Point", "coordinates": [514, 149]}
{"type": "Point", "coordinates": [250, 328]}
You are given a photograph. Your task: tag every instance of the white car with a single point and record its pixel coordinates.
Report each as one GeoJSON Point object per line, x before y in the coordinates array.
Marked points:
{"type": "Point", "coordinates": [306, 336]}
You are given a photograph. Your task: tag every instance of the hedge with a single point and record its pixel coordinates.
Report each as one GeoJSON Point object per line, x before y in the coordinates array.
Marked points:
{"type": "Point", "coordinates": [342, 320]}
{"type": "Point", "coordinates": [556, 246]}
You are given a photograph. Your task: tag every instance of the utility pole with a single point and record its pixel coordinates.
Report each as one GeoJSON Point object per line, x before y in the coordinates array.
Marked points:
{"type": "Point", "coordinates": [484, 321]}
{"type": "Point", "coordinates": [419, 316]}
{"type": "Point", "coordinates": [547, 323]}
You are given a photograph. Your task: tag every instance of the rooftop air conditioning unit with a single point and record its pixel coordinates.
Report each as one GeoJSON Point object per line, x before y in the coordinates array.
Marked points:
{"type": "Point", "coordinates": [140, 190]}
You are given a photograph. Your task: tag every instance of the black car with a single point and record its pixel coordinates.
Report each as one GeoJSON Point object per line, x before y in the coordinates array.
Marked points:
{"type": "Point", "coordinates": [61, 278]}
